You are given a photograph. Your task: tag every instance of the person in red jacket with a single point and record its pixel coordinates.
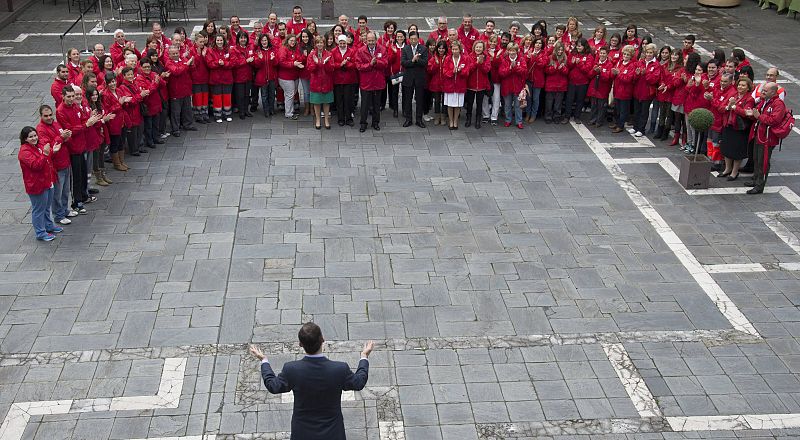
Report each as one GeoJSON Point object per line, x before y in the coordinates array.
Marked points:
{"type": "Point", "coordinates": [598, 39]}
{"type": "Point", "coordinates": [664, 93]}
{"type": "Point", "coordinates": [624, 77]}
{"type": "Point", "coordinates": [455, 72]}
{"type": "Point", "coordinates": [436, 80]}
{"type": "Point", "coordinates": [477, 82]}
{"type": "Point", "coordinates": [297, 23]}
{"type": "Point", "coordinates": [112, 104]}
{"type": "Point", "coordinates": [291, 62]}
{"type": "Point", "coordinates": [74, 117]}
{"type": "Point", "coordinates": [695, 88]}
{"type": "Point", "coordinates": [242, 74]}
{"type": "Point", "coordinates": [719, 100]}
{"type": "Point", "coordinates": [600, 86]}
{"type": "Point", "coordinates": [495, 50]}
{"type": "Point", "coordinates": [131, 98]}
{"type": "Point", "coordinates": [50, 132]}
{"type": "Point", "coordinates": [440, 33]}
{"type": "Point", "coordinates": [148, 80]}
{"type": "Point", "coordinates": [200, 77]}
{"type": "Point", "coordinates": [581, 62]}
{"type": "Point", "coordinates": [180, 91]}
{"type": "Point", "coordinates": [392, 91]}
{"type": "Point", "coordinates": [736, 127]}
{"type": "Point", "coordinates": [513, 72]}
{"type": "Point", "coordinates": [537, 59]}
{"type": "Point", "coordinates": [39, 176]}
{"type": "Point", "coordinates": [95, 137]}
{"type": "Point", "coordinates": [371, 61]}
{"type": "Point", "coordinates": [467, 34]}
{"type": "Point", "coordinates": [120, 44]}
{"type": "Point", "coordinates": [555, 85]}
{"type": "Point", "coordinates": [767, 113]}
{"type": "Point", "coordinates": [648, 74]}
{"type": "Point", "coordinates": [678, 78]}
{"type": "Point", "coordinates": [74, 65]}
{"type": "Point", "coordinates": [61, 80]}
{"type": "Point", "coordinates": [266, 64]}
{"type": "Point", "coordinates": [221, 60]}
{"type": "Point", "coordinates": [345, 81]}
{"type": "Point", "coordinates": [320, 66]}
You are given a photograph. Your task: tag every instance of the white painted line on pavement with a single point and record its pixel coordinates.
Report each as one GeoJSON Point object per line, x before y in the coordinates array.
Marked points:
{"type": "Point", "coordinates": [706, 282]}
{"type": "Point", "coordinates": [632, 381]}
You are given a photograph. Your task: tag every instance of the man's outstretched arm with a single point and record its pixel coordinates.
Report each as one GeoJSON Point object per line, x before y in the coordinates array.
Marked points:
{"type": "Point", "coordinates": [275, 384]}
{"type": "Point", "coordinates": [356, 381]}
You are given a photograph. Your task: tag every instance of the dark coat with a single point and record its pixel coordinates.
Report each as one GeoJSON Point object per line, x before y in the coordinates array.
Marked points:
{"type": "Point", "coordinates": [414, 73]}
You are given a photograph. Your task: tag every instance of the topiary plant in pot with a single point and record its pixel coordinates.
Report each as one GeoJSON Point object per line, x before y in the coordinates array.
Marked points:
{"type": "Point", "coordinates": [695, 170]}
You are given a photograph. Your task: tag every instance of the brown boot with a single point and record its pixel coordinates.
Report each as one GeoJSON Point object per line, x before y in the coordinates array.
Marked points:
{"type": "Point", "coordinates": [105, 176]}
{"type": "Point", "coordinates": [98, 179]}
{"type": "Point", "coordinates": [116, 159]}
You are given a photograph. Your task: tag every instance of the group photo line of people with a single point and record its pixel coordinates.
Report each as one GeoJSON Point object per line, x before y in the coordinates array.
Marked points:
{"type": "Point", "coordinates": [126, 101]}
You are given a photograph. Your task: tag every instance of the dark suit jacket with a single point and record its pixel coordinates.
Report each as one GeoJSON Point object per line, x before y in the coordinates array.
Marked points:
{"type": "Point", "coordinates": [317, 383]}
{"type": "Point", "coordinates": [414, 72]}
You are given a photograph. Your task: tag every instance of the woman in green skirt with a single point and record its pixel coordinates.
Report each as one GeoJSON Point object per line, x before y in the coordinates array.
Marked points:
{"type": "Point", "coordinates": [320, 67]}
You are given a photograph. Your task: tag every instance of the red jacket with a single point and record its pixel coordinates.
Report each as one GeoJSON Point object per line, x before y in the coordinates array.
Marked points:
{"type": "Point", "coordinates": [286, 58]}
{"type": "Point", "coordinates": [729, 116]}
{"type": "Point", "coordinates": [51, 134]}
{"type": "Point", "coordinates": [596, 45]}
{"type": "Point", "coordinates": [438, 35]}
{"type": "Point", "coordinates": [435, 73]}
{"type": "Point", "coordinates": [536, 66]}
{"type": "Point", "coordinates": [295, 28]}
{"type": "Point", "coordinates": [111, 105]}
{"type": "Point", "coordinates": [695, 95]}
{"type": "Point", "coordinates": [346, 74]}
{"type": "Point", "coordinates": [199, 70]}
{"type": "Point", "coordinates": [56, 88]}
{"type": "Point", "coordinates": [94, 136]}
{"type": "Point", "coordinates": [772, 112]}
{"type": "Point", "coordinates": [118, 51]}
{"type": "Point", "coordinates": [243, 72]}
{"type": "Point", "coordinates": [720, 101]}
{"type": "Point", "coordinates": [73, 118]}
{"type": "Point", "coordinates": [580, 68]}
{"type": "Point", "coordinates": [557, 76]}
{"type": "Point", "coordinates": [133, 117]}
{"type": "Point", "coordinates": [304, 73]}
{"type": "Point", "coordinates": [153, 100]}
{"type": "Point", "coordinates": [478, 78]}
{"type": "Point", "coordinates": [266, 64]}
{"type": "Point", "coordinates": [371, 77]}
{"type": "Point", "coordinates": [615, 55]}
{"type": "Point", "coordinates": [456, 82]}
{"type": "Point", "coordinates": [512, 78]}
{"type": "Point", "coordinates": [221, 74]}
{"type": "Point", "coordinates": [647, 81]}
{"type": "Point", "coordinates": [600, 82]}
{"type": "Point", "coordinates": [467, 39]}
{"type": "Point", "coordinates": [665, 85]}
{"type": "Point", "coordinates": [38, 172]}
{"type": "Point", "coordinates": [494, 75]}
{"type": "Point", "coordinates": [321, 71]}
{"type": "Point", "coordinates": [180, 82]}
{"type": "Point", "coordinates": [393, 66]}
{"type": "Point", "coordinates": [625, 80]}
{"type": "Point", "coordinates": [75, 73]}
{"type": "Point", "coordinates": [679, 79]}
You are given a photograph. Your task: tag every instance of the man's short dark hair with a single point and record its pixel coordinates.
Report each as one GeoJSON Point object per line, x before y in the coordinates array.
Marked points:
{"type": "Point", "coordinates": [738, 53]}
{"type": "Point", "coordinates": [362, 17]}
{"type": "Point", "coordinates": [60, 67]}
{"type": "Point", "coordinates": [691, 38]}
{"type": "Point", "coordinates": [297, 7]}
{"type": "Point", "coordinates": [413, 33]}
{"type": "Point", "coordinates": [44, 107]}
{"type": "Point", "coordinates": [310, 336]}
{"type": "Point", "coordinates": [66, 90]}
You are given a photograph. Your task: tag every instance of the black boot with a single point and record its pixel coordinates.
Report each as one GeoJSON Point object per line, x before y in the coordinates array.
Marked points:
{"type": "Point", "coordinates": [477, 120]}
{"type": "Point", "coordinates": [468, 120]}
{"type": "Point", "coordinates": [659, 132]}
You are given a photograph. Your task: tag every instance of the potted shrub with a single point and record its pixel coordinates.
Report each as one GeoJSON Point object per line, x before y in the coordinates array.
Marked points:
{"type": "Point", "coordinates": [696, 168]}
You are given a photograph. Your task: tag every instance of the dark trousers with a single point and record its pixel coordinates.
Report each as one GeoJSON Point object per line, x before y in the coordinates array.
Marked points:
{"type": "Point", "coordinates": [576, 94]}
{"type": "Point", "coordinates": [473, 97]}
{"type": "Point", "coordinates": [254, 96]}
{"type": "Point", "coordinates": [370, 102]}
{"type": "Point", "coordinates": [180, 112]}
{"type": "Point", "coordinates": [79, 189]}
{"type": "Point", "coordinates": [392, 92]}
{"type": "Point", "coordinates": [762, 156]}
{"type": "Point", "coordinates": [641, 109]}
{"type": "Point", "coordinates": [438, 99]}
{"type": "Point", "coordinates": [553, 102]}
{"type": "Point", "coordinates": [150, 130]}
{"type": "Point", "coordinates": [132, 137]}
{"type": "Point", "coordinates": [343, 97]}
{"type": "Point", "coordinates": [161, 119]}
{"type": "Point", "coordinates": [749, 165]}
{"type": "Point", "coordinates": [409, 93]}
{"type": "Point", "coordinates": [623, 107]}
{"type": "Point", "coordinates": [678, 120]}
{"type": "Point", "coordinates": [268, 97]}
{"type": "Point", "coordinates": [116, 143]}
{"type": "Point", "coordinates": [599, 109]}
{"type": "Point", "coordinates": [241, 97]}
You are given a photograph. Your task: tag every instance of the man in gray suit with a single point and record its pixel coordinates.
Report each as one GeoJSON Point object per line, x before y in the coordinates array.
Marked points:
{"type": "Point", "coordinates": [317, 384]}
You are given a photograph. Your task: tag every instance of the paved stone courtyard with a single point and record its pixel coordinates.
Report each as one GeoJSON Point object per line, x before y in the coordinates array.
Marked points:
{"type": "Point", "coordinates": [551, 282]}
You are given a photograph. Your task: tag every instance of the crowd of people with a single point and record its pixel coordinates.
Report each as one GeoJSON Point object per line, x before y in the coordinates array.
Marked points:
{"type": "Point", "coordinates": [128, 100]}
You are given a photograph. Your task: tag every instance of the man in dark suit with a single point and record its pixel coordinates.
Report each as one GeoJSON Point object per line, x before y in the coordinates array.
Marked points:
{"type": "Point", "coordinates": [317, 384]}
{"type": "Point", "coordinates": [414, 59]}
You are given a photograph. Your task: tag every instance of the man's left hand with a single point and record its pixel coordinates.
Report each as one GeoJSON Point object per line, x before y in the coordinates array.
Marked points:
{"type": "Point", "coordinates": [256, 352]}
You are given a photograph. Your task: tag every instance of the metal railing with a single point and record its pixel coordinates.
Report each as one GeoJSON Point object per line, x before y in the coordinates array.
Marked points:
{"type": "Point", "coordinates": [82, 21]}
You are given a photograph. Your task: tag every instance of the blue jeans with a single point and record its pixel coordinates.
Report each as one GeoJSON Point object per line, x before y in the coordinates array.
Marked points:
{"type": "Point", "coordinates": [40, 213]}
{"type": "Point", "coordinates": [533, 100]}
{"type": "Point", "coordinates": [61, 191]}
{"type": "Point", "coordinates": [623, 111]}
{"type": "Point", "coordinates": [512, 101]}
{"type": "Point", "coordinates": [268, 97]}
{"type": "Point", "coordinates": [305, 83]}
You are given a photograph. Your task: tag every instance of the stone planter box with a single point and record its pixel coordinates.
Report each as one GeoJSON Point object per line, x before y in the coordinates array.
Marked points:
{"type": "Point", "coordinates": [695, 173]}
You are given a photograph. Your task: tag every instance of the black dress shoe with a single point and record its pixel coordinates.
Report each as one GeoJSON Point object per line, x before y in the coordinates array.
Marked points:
{"type": "Point", "coordinates": [376, 127]}
{"type": "Point", "coordinates": [755, 190]}
{"type": "Point", "coordinates": [153, 146]}
{"type": "Point", "coordinates": [352, 123]}
{"type": "Point", "coordinates": [176, 134]}
{"type": "Point", "coordinates": [341, 123]}
{"type": "Point", "coordinates": [468, 122]}
{"type": "Point", "coordinates": [724, 174]}
{"type": "Point", "coordinates": [158, 141]}
{"type": "Point", "coordinates": [189, 128]}
{"type": "Point", "coordinates": [732, 178]}
{"type": "Point", "coordinates": [394, 113]}
{"type": "Point", "coordinates": [407, 123]}
{"type": "Point", "coordinates": [135, 154]}
{"type": "Point", "coordinates": [421, 124]}
{"type": "Point", "coordinates": [241, 116]}
{"type": "Point", "coordinates": [248, 114]}
{"type": "Point", "coordinates": [93, 191]}
{"type": "Point", "coordinates": [362, 129]}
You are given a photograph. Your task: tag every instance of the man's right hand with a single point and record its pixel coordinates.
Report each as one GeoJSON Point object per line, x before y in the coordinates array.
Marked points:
{"type": "Point", "coordinates": [368, 346]}
{"type": "Point", "coordinates": [256, 352]}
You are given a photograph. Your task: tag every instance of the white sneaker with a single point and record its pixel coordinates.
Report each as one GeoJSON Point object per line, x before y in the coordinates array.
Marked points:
{"type": "Point", "coordinates": [72, 213]}
{"type": "Point", "coordinates": [219, 121]}
{"type": "Point", "coordinates": [638, 134]}
{"type": "Point", "coordinates": [229, 119]}
{"type": "Point", "coordinates": [165, 135]}
{"type": "Point", "coordinates": [631, 130]}
{"type": "Point", "coordinates": [65, 221]}
{"type": "Point", "coordinates": [427, 118]}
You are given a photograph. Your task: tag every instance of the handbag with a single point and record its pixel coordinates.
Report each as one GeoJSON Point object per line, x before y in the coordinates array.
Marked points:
{"type": "Point", "coordinates": [397, 78]}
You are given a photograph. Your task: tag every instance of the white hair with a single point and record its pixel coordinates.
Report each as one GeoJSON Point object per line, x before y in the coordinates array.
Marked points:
{"type": "Point", "coordinates": [119, 31]}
